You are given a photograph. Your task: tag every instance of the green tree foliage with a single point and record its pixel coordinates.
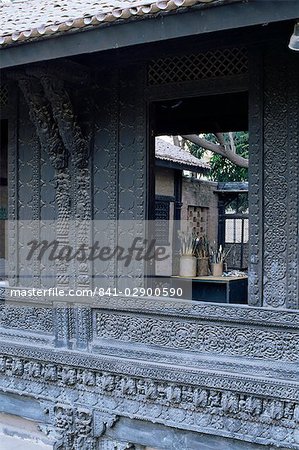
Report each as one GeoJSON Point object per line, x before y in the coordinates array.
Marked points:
{"type": "Point", "coordinates": [221, 168]}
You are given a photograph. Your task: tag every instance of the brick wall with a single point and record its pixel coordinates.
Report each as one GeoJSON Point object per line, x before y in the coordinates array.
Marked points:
{"type": "Point", "coordinates": [195, 192]}
{"type": "Point", "coordinates": [164, 179]}
{"type": "Point", "coordinates": [202, 194]}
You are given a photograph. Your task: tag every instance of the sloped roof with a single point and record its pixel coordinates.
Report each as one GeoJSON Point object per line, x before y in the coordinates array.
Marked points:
{"type": "Point", "coordinates": [23, 20]}
{"type": "Point", "coordinates": [165, 151]}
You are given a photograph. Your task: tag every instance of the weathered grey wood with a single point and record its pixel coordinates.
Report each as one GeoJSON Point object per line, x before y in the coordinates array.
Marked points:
{"type": "Point", "coordinates": [162, 28]}
{"type": "Point", "coordinates": [220, 376]}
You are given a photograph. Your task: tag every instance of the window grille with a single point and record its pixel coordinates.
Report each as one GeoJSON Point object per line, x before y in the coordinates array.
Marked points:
{"type": "Point", "coordinates": [162, 221]}
{"type": "Point", "coordinates": [3, 95]}
{"type": "Point", "coordinates": [198, 220]}
{"type": "Point", "coordinates": [211, 64]}
{"type": "Point", "coordinates": [234, 229]}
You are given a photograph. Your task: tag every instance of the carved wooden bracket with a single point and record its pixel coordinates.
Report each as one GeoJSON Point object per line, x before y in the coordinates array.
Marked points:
{"type": "Point", "coordinates": [76, 428]}
{"type": "Point", "coordinates": [52, 113]}
{"type": "Point", "coordinates": [63, 113]}
{"type": "Point", "coordinates": [42, 117]}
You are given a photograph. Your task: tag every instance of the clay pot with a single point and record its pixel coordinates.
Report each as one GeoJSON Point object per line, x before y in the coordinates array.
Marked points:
{"type": "Point", "coordinates": [202, 267]}
{"type": "Point", "coordinates": [187, 266]}
{"type": "Point", "coordinates": [217, 269]}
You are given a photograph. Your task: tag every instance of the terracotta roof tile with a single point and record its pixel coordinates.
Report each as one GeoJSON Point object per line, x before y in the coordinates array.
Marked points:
{"type": "Point", "coordinates": [25, 20]}
{"type": "Point", "coordinates": [169, 152]}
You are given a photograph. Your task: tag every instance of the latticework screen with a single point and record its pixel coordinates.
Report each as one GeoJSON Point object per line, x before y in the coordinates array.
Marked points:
{"type": "Point", "coordinates": [198, 220]}
{"type": "Point", "coordinates": [211, 64]}
{"type": "Point", "coordinates": [162, 221]}
{"type": "Point", "coordinates": [3, 95]}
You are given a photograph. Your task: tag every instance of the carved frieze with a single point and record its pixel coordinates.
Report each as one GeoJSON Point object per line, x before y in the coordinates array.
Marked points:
{"type": "Point", "coordinates": [209, 338]}
{"type": "Point", "coordinates": [268, 419]}
{"type": "Point", "coordinates": [27, 318]}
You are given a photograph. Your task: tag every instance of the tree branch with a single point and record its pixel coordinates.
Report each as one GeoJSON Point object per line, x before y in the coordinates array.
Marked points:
{"type": "Point", "coordinates": [220, 138]}
{"type": "Point", "coordinates": [176, 141]}
{"type": "Point", "coordinates": [219, 149]}
{"type": "Point", "coordinates": [232, 142]}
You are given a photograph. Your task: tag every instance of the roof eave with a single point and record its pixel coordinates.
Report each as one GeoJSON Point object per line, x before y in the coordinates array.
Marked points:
{"type": "Point", "coordinates": [185, 23]}
{"type": "Point", "coordinates": [167, 164]}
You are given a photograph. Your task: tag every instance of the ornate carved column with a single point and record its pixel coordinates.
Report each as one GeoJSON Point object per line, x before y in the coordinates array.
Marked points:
{"type": "Point", "coordinates": [281, 175]}
{"type": "Point", "coordinates": [60, 135]}
{"type": "Point", "coordinates": [274, 175]}
{"type": "Point", "coordinates": [50, 139]}
{"type": "Point", "coordinates": [78, 149]}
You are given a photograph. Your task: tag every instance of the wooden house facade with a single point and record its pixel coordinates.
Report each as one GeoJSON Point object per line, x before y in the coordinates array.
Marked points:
{"type": "Point", "coordinates": [84, 92]}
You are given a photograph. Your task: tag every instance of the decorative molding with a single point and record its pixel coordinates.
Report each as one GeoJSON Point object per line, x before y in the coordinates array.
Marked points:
{"type": "Point", "coordinates": [270, 420]}
{"type": "Point", "coordinates": [265, 386]}
{"type": "Point", "coordinates": [208, 338]}
{"type": "Point", "coordinates": [293, 185]}
{"type": "Point", "coordinates": [211, 312]}
{"type": "Point", "coordinates": [255, 194]}
{"type": "Point", "coordinates": [242, 366]}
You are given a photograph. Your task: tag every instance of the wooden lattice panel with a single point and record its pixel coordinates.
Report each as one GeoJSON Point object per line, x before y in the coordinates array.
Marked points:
{"type": "Point", "coordinates": [162, 221]}
{"type": "Point", "coordinates": [3, 95]}
{"type": "Point", "coordinates": [198, 220]}
{"type": "Point", "coordinates": [211, 64]}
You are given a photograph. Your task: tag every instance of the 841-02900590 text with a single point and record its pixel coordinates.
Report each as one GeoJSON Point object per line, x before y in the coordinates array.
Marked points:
{"type": "Point", "coordinates": [97, 292]}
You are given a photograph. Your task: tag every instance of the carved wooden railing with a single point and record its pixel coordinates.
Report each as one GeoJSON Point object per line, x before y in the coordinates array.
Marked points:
{"type": "Point", "coordinates": [225, 370]}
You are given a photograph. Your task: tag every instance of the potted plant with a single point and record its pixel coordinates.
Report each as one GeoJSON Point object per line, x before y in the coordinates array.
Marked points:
{"type": "Point", "coordinates": [188, 251]}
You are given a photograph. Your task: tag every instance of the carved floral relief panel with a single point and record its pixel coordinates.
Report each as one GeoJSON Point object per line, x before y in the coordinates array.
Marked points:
{"type": "Point", "coordinates": [281, 196]}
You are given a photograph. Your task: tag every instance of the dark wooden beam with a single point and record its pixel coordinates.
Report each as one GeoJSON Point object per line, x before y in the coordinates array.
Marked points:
{"type": "Point", "coordinates": [180, 166]}
{"type": "Point", "coordinates": [161, 28]}
{"type": "Point", "coordinates": [66, 70]}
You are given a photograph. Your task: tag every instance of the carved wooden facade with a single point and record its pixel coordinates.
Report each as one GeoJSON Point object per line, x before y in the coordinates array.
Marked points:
{"type": "Point", "coordinates": [82, 151]}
